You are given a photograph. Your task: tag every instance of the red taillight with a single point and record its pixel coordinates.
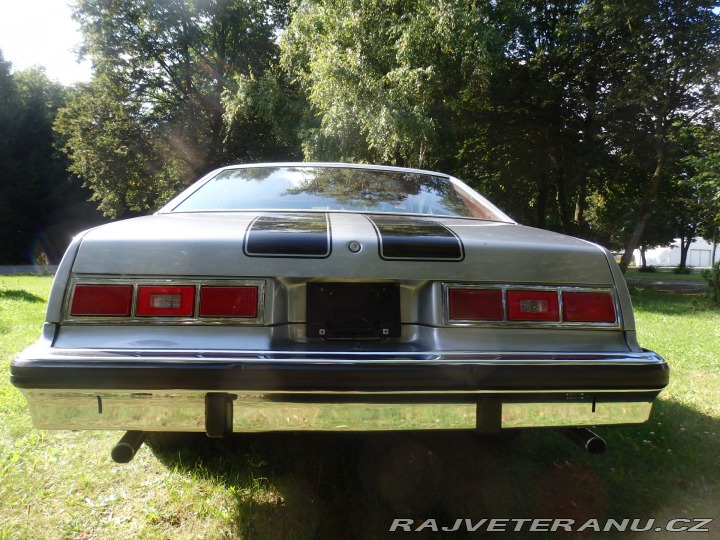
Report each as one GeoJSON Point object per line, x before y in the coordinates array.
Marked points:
{"type": "Point", "coordinates": [590, 307]}
{"type": "Point", "coordinates": [228, 301]}
{"type": "Point", "coordinates": [533, 305]}
{"type": "Point", "coordinates": [165, 301]}
{"type": "Point", "coordinates": [476, 304]}
{"type": "Point", "coordinates": [102, 301]}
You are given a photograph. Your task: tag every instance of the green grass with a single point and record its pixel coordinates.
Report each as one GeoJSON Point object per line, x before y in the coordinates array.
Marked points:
{"type": "Point", "coordinates": [63, 485]}
{"type": "Point", "coordinates": [663, 274]}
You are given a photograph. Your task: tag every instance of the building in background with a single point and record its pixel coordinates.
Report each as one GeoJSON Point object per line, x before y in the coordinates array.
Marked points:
{"type": "Point", "coordinates": [699, 255]}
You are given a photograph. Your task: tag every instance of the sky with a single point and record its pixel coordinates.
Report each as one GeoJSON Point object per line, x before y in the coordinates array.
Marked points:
{"type": "Point", "coordinates": [42, 32]}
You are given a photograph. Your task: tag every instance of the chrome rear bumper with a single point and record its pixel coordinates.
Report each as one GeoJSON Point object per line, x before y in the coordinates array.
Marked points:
{"type": "Point", "coordinates": [168, 390]}
{"type": "Point", "coordinates": [186, 411]}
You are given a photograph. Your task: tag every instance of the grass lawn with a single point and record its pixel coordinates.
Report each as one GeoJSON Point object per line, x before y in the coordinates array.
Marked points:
{"type": "Point", "coordinates": [663, 274]}
{"type": "Point", "coordinates": [63, 485]}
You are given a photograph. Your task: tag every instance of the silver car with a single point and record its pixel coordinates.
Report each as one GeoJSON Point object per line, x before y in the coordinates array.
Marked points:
{"type": "Point", "coordinates": [334, 297]}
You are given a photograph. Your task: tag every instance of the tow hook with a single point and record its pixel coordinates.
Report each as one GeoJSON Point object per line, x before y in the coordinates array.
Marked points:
{"type": "Point", "coordinates": [591, 442]}
{"type": "Point", "coordinates": [126, 448]}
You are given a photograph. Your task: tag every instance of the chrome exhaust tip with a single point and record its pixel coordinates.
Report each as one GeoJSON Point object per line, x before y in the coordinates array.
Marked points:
{"type": "Point", "coordinates": [126, 448]}
{"type": "Point", "coordinates": [591, 442]}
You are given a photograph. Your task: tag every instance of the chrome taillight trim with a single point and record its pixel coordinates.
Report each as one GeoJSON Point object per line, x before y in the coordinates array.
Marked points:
{"type": "Point", "coordinates": [165, 282]}
{"type": "Point", "coordinates": [506, 322]}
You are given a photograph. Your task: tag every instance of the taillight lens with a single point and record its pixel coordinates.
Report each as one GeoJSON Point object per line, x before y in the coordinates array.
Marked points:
{"type": "Point", "coordinates": [223, 301]}
{"type": "Point", "coordinates": [165, 301]}
{"type": "Point", "coordinates": [533, 306]}
{"type": "Point", "coordinates": [102, 301]}
{"type": "Point", "coordinates": [476, 304]}
{"type": "Point", "coordinates": [590, 307]}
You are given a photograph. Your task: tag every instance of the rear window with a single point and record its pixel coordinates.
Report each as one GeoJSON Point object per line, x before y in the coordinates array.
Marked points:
{"type": "Point", "coordinates": [337, 189]}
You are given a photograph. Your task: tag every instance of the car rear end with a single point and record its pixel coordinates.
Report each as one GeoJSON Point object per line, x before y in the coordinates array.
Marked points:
{"type": "Point", "coordinates": [335, 320]}
{"type": "Point", "coordinates": [346, 341]}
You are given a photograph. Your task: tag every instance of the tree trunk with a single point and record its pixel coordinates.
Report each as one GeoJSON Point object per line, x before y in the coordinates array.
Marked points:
{"type": "Point", "coordinates": [541, 206]}
{"type": "Point", "coordinates": [580, 203]}
{"type": "Point", "coordinates": [566, 223]}
{"type": "Point", "coordinates": [643, 251]}
{"type": "Point", "coordinates": [684, 249]}
{"type": "Point", "coordinates": [635, 238]}
{"type": "Point", "coordinates": [646, 209]}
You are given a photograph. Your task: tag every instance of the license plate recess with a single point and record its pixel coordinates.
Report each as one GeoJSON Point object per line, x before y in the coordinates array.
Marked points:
{"type": "Point", "coordinates": [353, 311]}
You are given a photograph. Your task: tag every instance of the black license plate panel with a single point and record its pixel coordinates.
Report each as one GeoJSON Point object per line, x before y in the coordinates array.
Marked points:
{"type": "Point", "coordinates": [353, 311]}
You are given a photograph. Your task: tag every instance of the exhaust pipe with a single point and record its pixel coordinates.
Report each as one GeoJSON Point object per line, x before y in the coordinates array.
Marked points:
{"type": "Point", "coordinates": [591, 442]}
{"type": "Point", "coordinates": [127, 447]}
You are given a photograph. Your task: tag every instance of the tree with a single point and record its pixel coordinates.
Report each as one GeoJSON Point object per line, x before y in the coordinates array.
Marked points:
{"type": "Point", "coordinates": [41, 205]}
{"type": "Point", "coordinates": [583, 110]}
{"type": "Point", "coordinates": [536, 146]}
{"type": "Point", "coordinates": [564, 113]}
{"type": "Point", "coordinates": [706, 163]}
{"type": "Point", "coordinates": [546, 107]}
{"type": "Point", "coordinates": [153, 118]}
{"type": "Point", "coordinates": [387, 81]}
{"type": "Point", "coordinates": [10, 168]}
{"type": "Point", "coordinates": [665, 65]}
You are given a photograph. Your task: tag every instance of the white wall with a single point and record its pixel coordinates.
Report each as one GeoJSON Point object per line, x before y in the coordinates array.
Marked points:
{"type": "Point", "coordinates": [698, 256]}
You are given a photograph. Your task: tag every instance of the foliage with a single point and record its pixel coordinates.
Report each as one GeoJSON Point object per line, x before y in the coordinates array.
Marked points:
{"type": "Point", "coordinates": [591, 118]}
{"type": "Point", "coordinates": [152, 119]}
{"type": "Point", "coordinates": [568, 114]}
{"type": "Point", "coordinates": [388, 81]}
{"type": "Point", "coordinates": [41, 205]}
{"type": "Point", "coordinates": [706, 163]}
{"type": "Point", "coordinates": [537, 144]}
{"type": "Point", "coordinates": [712, 276]}
{"type": "Point", "coordinates": [682, 269]}
{"type": "Point", "coordinates": [671, 71]}
{"type": "Point", "coordinates": [683, 207]}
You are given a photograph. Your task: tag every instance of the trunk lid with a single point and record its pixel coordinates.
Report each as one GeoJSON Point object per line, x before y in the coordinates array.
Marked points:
{"type": "Point", "coordinates": [339, 246]}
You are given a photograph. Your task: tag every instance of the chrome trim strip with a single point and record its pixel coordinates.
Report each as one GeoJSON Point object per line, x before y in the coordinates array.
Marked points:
{"type": "Point", "coordinates": [53, 354]}
{"type": "Point", "coordinates": [67, 318]}
{"type": "Point", "coordinates": [185, 411]}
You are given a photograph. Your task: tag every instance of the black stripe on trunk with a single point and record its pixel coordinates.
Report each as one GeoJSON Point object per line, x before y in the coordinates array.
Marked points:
{"type": "Point", "coordinates": [416, 239]}
{"type": "Point", "coordinates": [289, 235]}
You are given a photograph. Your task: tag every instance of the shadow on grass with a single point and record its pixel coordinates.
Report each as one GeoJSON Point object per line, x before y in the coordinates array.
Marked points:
{"type": "Point", "coordinates": [353, 485]}
{"type": "Point", "coordinates": [19, 294]}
